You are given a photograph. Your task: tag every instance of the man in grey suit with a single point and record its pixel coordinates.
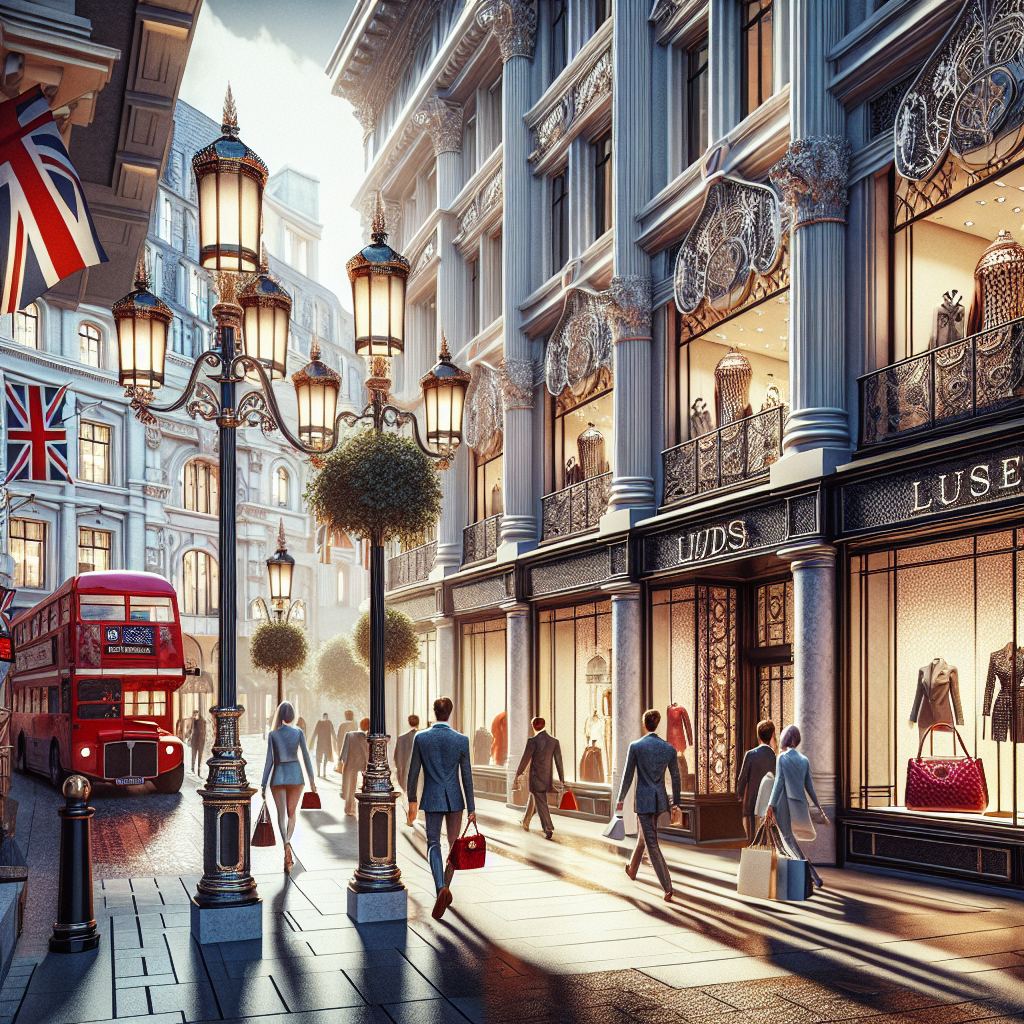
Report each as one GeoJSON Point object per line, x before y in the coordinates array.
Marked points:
{"type": "Point", "coordinates": [403, 752]}
{"type": "Point", "coordinates": [541, 749]}
{"type": "Point", "coordinates": [347, 726]}
{"type": "Point", "coordinates": [647, 759]}
{"type": "Point", "coordinates": [354, 754]}
{"type": "Point", "coordinates": [323, 741]}
{"type": "Point", "coordinates": [757, 763]}
{"type": "Point", "coordinates": [443, 754]}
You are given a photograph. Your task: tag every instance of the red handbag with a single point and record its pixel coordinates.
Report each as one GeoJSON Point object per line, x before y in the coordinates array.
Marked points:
{"type": "Point", "coordinates": [263, 833]}
{"type": "Point", "coordinates": [311, 801]}
{"type": "Point", "coordinates": [568, 801]}
{"type": "Point", "coordinates": [468, 851]}
{"type": "Point", "coordinates": [954, 783]}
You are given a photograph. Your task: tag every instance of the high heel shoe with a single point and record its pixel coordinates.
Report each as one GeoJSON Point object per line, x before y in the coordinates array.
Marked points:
{"type": "Point", "coordinates": [288, 859]}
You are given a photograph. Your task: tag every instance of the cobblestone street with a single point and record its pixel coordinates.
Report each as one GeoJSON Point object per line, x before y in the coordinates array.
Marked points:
{"type": "Point", "coordinates": [518, 944]}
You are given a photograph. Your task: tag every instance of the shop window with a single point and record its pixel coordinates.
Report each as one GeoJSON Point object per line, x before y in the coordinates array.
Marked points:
{"type": "Point", "coordinates": [559, 221]}
{"type": "Point", "coordinates": [420, 684]}
{"type": "Point", "coordinates": [936, 638]}
{"type": "Point", "coordinates": [575, 687]}
{"type": "Point", "coordinates": [26, 326]}
{"type": "Point", "coordinates": [93, 452]}
{"type": "Point", "coordinates": [756, 54]}
{"type": "Point", "coordinates": [696, 101]}
{"type": "Point", "coordinates": [695, 666]}
{"type": "Point", "coordinates": [603, 185]}
{"type": "Point", "coordinates": [559, 36]}
{"type": "Point", "coordinates": [200, 487]}
{"type": "Point", "coordinates": [775, 635]}
{"type": "Point", "coordinates": [200, 583]}
{"type": "Point", "coordinates": [583, 434]}
{"type": "Point", "coordinates": [487, 487]}
{"type": "Point", "coordinates": [483, 691]}
{"type": "Point", "coordinates": [90, 345]}
{"type": "Point", "coordinates": [93, 549]}
{"type": "Point", "coordinates": [28, 548]}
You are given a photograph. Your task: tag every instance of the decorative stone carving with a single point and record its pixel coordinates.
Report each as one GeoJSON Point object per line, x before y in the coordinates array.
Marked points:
{"type": "Point", "coordinates": [629, 306]}
{"type": "Point", "coordinates": [738, 232]}
{"type": "Point", "coordinates": [443, 123]}
{"type": "Point", "coordinates": [157, 491]}
{"type": "Point", "coordinates": [663, 8]}
{"type": "Point", "coordinates": [966, 100]}
{"type": "Point", "coordinates": [255, 460]}
{"type": "Point", "coordinates": [595, 83]}
{"type": "Point", "coordinates": [426, 254]}
{"type": "Point", "coordinates": [812, 178]}
{"type": "Point", "coordinates": [482, 429]}
{"type": "Point", "coordinates": [515, 25]}
{"type": "Point", "coordinates": [517, 379]}
{"type": "Point", "coordinates": [367, 120]}
{"type": "Point", "coordinates": [487, 197]}
{"type": "Point", "coordinates": [153, 437]}
{"type": "Point", "coordinates": [581, 343]}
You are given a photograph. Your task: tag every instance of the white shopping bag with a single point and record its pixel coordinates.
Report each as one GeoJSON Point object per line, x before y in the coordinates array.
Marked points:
{"type": "Point", "coordinates": [763, 873]}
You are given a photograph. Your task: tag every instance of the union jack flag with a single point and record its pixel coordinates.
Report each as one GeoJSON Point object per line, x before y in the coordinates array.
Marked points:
{"type": "Point", "coordinates": [37, 442]}
{"type": "Point", "coordinates": [6, 598]}
{"type": "Point", "coordinates": [46, 232]}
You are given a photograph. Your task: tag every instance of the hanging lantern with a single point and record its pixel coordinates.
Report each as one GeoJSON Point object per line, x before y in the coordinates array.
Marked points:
{"type": "Point", "coordinates": [141, 319]}
{"type": "Point", "coordinates": [266, 310]}
{"type": "Point", "coordinates": [316, 389]}
{"type": "Point", "coordinates": [230, 178]}
{"type": "Point", "coordinates": [279, 567]}
{"type": "Point", "coordinates": [378, 275]}
{"type": "Point", "coordinates": [444, 398]}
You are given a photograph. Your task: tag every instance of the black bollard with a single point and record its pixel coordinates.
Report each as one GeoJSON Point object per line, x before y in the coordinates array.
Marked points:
{"type": "Point", "coordinates": [75, 929]}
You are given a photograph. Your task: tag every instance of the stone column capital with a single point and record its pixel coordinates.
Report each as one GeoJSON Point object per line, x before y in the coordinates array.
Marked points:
{"type": "Point", "coordinates": [443, 123]}
{"type": "Point", "coordinates": [515, 609]}
{"type": "Point", "coordinates": [367, 119]}
{"type": "Point", "coordinates": [622, 591]}
{"type": "Point", "coordinates": [812, 178]}
{"type": "Point", "coordinates": [629, 307]}
{"type": "Point", "coordinates": [515, 25]}
{"type": "Point", "coordinates": [516, 378]}
{"type": "Point", "coordinates": [809, 555]}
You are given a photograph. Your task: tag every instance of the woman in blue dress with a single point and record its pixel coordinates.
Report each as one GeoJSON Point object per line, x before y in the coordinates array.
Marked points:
{"type": "Point", "coordinates": [283, 773]}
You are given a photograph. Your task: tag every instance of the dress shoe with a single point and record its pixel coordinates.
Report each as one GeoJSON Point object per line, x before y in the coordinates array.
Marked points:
{"type": "Point", "coordinates": [631, 873]}
{"type": "Point", "coordinates": [548, 833]}
{"type": "Point", "coordinates": [441, 904]}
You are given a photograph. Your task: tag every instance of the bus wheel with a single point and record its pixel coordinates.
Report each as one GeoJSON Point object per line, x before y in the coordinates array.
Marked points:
{"type": "Point", "coordinates": [57, 773]}
{"type": "Point", "coordinates": [170, 782]}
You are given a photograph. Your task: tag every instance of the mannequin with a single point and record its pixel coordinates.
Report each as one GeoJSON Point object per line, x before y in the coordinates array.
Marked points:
{"type": "Point", "coordinates": [937, 700]}
{"type": "Point", "coordinates": [678, 731]}
{"type": "Point", "coordinates": [499, 745]}
{"type": "Point", "coordinates": [1005, 724]}
{"type": "Point", "coordinates": [482, 742]}
{"type": "Point", "coordinates": [592, 764]}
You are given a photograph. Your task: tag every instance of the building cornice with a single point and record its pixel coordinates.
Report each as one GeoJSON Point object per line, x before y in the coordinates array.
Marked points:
{"type": "Point", "coordinates": [479, 205]}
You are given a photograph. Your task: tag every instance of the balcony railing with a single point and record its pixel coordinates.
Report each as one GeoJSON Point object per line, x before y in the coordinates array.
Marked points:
{"type": "Point", "coordinates": [412, 566]}
{"type": "Point", "coordinates": [739, 451]}
{"type": "Point", "coordinates": [977, 375]}
{"type": "Point", "coordinates": [575, 508]}
{"type": "Point", "coordinates": [480, 540]}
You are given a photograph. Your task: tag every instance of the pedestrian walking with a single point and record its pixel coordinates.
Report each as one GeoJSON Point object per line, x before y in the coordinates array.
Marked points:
{"type": "Point", "coordinates": [541, 749]}
{"type": "Point", "coordinates": [347, 726]}
{"type": "Point", "coordinates": [354, 756]}
{"type": "Point", "coordinates": [284, 774]}
{"type": "Point", "coordinates": [300, 723]}
{"type": "Point", "coordinates": [197, 741]}
{"type": "Point", "coordinates": [181, 728]}
{"type": "Point", "coordinates": [757, 763]}
{"type": "Point", "coordinates": [323, 744]}
{"type": "Point", "coordinates": [443, 755]}
{"type": "Point", "coordinates": [789, 796]}
{"type": "Point", "coordinates": [648, 758]}
{"type": "Point", "coordinates": [403, 754]}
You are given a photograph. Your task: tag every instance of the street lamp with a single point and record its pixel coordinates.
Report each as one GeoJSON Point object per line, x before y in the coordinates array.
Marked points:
{"type": "Point", "coordinates": [280, 567]}
{"type": "Point", "coordinates": [141, 319]}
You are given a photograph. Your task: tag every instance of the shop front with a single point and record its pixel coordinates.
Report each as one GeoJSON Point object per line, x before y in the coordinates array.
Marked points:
{"type": "Point", "coordinates": [933, 558]}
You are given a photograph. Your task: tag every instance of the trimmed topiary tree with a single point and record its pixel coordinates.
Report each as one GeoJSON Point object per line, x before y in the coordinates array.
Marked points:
{"type": "Point", "coordinates": [278, 646]}
{"type": "Point", "coordinates": [338, 675]}
{"type": "Point", "coordinates": [401, 641]}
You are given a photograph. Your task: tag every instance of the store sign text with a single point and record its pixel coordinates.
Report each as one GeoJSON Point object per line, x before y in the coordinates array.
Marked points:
{"type": "Point", "coordinates": [990, 480]}
{"type": "Point", "coordinates": [713, 541]}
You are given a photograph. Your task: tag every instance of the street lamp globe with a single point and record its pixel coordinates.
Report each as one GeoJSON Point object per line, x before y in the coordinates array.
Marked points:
{"type": "Point", "coordinates": [316, 389]}
{"type": "Point", "coordinates": [266, 310]}
{"type": "Point", "coordinates": [444, 399]}
{"type": "Point", "coordinates": [141, 319]}
{"type": "Point", "coordinates": [279, 567]}
{"type": "Point", "coordinates": [230, 178]}
{"type": "Point", "coordinates": [378, 275]}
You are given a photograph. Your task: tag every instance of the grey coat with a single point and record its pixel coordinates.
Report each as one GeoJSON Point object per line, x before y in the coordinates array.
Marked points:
{"type": "Point", "coordinates": [789, 794]}
{"type": "Point", "coordinates": [648, 758]}
{"type": "Point", "coordinates": [283, 746]}
{"type": "Point", "coordinates": [403, 755]}
{"type": "Point", "coordinates": [540, 751]}
{"type": "Point", "coordinates": [443, 755]}
{"type": "Point", "coordinates": [757, 763]}
{"type": "Point", "coordinates": [355, 751]}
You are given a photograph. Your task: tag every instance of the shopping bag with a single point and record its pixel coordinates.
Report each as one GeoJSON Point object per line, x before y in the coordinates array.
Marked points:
{"type": "Point", "coordinates": [263, 833]}
{"type": "Point", "coordinates": [468, 852]}
{"type": "Point", "coordinates": [520, 791]}
{"type": "Point", "coordinates": [616, 829]}
{"type": "Point", "coordinates": [311, 801]}
{"type": "Point", "coordinates": [764, 794]}
{"type": "Point", "coordinates": [950, 784]}
{"type": "Point", "coordinates": [758, 873]}
{"type": "Point", "coordinates": [568, 802]}
{"type": "Point", "coordinates": [798, 874]}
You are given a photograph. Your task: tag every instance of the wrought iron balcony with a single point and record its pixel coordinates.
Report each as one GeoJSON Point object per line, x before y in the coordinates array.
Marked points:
{"type": "Point", "coordinates": [973, 377]}
{"type": "Point", "coordinates": [412, 566]}
{"type": "Point", "coordinates": [480, 540]}
{"type": "Point", "coordinates": [576, 508]}
{"type": "Point", "coordinates": [739, 451]}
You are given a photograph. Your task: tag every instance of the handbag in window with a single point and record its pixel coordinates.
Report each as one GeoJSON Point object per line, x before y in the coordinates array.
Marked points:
{"type": "Point", "coordinates": [951, 784]}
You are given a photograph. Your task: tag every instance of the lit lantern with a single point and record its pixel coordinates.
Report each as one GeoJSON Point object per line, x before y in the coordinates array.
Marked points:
{"type": "Point", "coordinates": [279, 567]}
{"type": "Point", "coordinates": [378, 275]}
{"type": "Point", "coordinates": [230, 178]}
{"type": "Point", "coordinates": [444, 398]}
{"type": "Point", "coordinates": [141, 319]}
{"type": "Point", "coordinates": [266, 310]}
{"type": "Point", "coordinates": [316, 389]}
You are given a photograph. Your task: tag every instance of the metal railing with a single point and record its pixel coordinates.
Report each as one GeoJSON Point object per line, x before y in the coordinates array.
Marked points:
{"type": "Point", "coordinates": [971, 377]}
{"type": "Point", "coordinates": [575, 508]}
{"type": "Point", "coordinates": [480, 539]}
{"type": "Point", "coordinates": [412, 566]}
{"type": "Point", "coordinates": [729, 455]}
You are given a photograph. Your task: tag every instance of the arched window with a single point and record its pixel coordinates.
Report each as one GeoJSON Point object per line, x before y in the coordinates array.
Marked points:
{"type": "Point", "coordinates": [90, 345]}
{"type": "Point", "coordinates": [298, 612]}
{"type": "Point", "coordinates": [281, 485]}
{"type": "Point", "coordinates": [200, 490]}
{"type": "Point", "coordinates": [257, 609]}
{"type": "Point", "coordinates": [200, 582]}
{"type": "Point", "coordinates": [26, 326]}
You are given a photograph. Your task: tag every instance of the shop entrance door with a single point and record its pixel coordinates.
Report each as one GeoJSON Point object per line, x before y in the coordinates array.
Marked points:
{"type": "Point", "coordinates": [770, 656]}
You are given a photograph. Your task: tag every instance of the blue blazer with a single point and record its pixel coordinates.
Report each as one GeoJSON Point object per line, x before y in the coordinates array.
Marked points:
{"type": "Point", "coordinates": [443, 754]}
{"type": "Point", "coordinates": [648, 758]}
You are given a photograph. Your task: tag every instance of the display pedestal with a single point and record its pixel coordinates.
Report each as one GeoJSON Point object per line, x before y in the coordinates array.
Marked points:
{"type": "Point", "coordinates": [371, 907]}
{"type": "Point", "coordinates": [227, 924]}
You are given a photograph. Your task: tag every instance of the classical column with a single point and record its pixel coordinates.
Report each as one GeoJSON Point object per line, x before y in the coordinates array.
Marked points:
{"type": "Point", "coordinates": [627, 623]}
{"type": "Point", "coordinates": [518, 644]}
{"type": "Point", "coordinates": [136, 440]}
{"type": "Point", "coordinates": [814, 679]}
{"type": "Point", "coordinates": [812, 178]}
{"type": "Point", "coordinates": [629, 311]}
{"type": "Point", "coordinates": [445, 632]}
{"type": "Point", "coordinates": [515, 25]}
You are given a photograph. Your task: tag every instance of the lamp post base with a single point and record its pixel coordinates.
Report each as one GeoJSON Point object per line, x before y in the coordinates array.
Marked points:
{"type": "Point", "coordinates": [371, 907]}
{"type": "Point", "coordinates": [234, 923]}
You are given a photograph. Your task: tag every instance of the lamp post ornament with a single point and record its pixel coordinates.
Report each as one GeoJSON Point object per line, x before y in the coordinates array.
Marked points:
{"type": "Point", "coordinates": [251, 345]}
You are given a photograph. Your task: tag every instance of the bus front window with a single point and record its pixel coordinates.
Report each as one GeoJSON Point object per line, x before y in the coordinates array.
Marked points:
{"type": "Point", "coordinates": [145, 702]}
{"type": "Point", "coordinates": [150, 609]}
{"type": "Point", "coordinates": [101, 608]}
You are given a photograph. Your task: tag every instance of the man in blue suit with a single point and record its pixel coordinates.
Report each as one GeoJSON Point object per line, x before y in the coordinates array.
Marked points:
{"type": "Point", "coordinates": [443, 754]}
{"type": "Point", "coordinates": [647, 759]}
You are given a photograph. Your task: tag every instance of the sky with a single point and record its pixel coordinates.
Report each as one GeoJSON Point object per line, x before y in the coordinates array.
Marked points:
{"type": "Point", "coordinates": [274, 54]}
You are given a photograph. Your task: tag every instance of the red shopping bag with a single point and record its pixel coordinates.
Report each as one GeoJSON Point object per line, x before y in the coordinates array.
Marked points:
{"type": "Point", "coordinates": [469, 851]}
{"type": "Point", "coordinates": [311, 801]}
{"type": "Point", "coordinates": [568, 802]}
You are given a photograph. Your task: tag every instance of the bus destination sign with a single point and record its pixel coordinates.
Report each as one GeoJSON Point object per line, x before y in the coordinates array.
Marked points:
{"type": "Point", "coordinates": [130, 640]}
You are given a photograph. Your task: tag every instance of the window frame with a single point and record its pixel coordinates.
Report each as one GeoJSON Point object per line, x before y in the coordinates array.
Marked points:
{"type": "Point", "coordinates": [697, 77]}
{"type": "Point", "coordinates": [98, 446]}
{"type": "Point", "coordinates": [16, 541]}
{"type": "Point", "coordinates": [559, 49]}
{"type": "Point", "coordinates": [90, 337]}
{"type": "Point", "coordinates": [604, 182]}
{"type": "Point", "coordinates": [204, 583]}
{"type": "Point", "coordinates": [26, 324]}
{"type": "Point", "coordinates": [91, 534]}
{"type": "Point", "coordinates": [206, 482]}
{"type": "Point", "coordinates": [750, 23]}
{"type": "Point", "coordinates": [559, 208]}
{"type": "Point", "coordinates": [282, 476]}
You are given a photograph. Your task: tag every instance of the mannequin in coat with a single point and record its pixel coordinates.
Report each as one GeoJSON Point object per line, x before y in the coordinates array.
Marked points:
{"type": "Point", "coordinates": [937, 700]}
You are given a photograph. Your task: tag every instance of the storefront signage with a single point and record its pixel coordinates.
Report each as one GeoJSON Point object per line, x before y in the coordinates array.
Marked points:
{"type": "Point", "coordinates": [963, 483]}
{"type": "Point", "coordinates": [713, 541]}
{"type": "Point", "coordinates": [129, 640]}
{"type": "Point", "coordinates": [34, 657]}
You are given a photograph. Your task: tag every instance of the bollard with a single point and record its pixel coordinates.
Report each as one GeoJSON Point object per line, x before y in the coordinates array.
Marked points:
{"type": "Point", "coordinates": [75, 929]}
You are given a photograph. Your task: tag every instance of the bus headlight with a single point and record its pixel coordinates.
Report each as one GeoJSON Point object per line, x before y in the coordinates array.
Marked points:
{"type": "Point", "coordinates": [168, 749]}
{"type": "Point", "coordinates": [86, 751]}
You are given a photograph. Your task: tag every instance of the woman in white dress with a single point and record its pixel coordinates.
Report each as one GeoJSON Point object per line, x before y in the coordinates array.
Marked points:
{"type": "Point", "coordinates": [283, 773]}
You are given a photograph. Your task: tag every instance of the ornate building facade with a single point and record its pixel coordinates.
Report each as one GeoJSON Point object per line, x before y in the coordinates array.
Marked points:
{"type": "Point", "coordinates": [743, 434]}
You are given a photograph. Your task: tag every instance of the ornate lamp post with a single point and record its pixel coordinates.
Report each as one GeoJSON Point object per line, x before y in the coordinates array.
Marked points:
{"type": "Point", "coordinates": [280, 567]}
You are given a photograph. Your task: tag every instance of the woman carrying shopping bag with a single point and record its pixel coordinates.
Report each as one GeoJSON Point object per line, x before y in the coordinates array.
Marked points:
{"type": "Point", "coordinates": [283, 773]}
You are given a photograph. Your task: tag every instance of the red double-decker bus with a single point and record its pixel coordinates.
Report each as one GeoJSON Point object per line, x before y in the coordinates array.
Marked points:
{"type": "Point", "coordinates": [95, 665]}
